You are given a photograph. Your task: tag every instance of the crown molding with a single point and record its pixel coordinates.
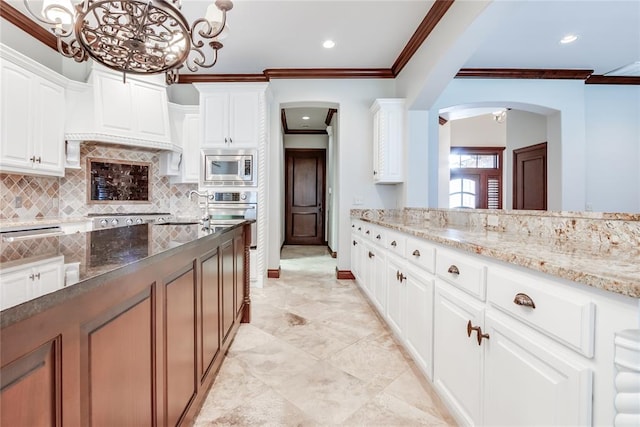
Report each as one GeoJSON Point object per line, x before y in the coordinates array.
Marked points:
{"type": "Point", "coordinates": [432, 18]}
{"type": "Point", "coordinates": [524, 73]}
{"type": "Point", "coordinates": [221, 78]}
{"type": "Point", "coordinates": [328, 73]}
{"type": "Point", "coordinates": [17, 18]}
{"type": "Point", "coordinates": [612, 80]}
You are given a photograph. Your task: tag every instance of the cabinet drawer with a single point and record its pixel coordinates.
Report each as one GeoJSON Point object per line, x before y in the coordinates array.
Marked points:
{"type": "Point", "coordinates": [395, 242]}
{"type": "Point", "coordinates": [421, 253]}
{"type": "Point", "coordinates": [368, 230]}
{"type": "Point", "coordinates": [560, 313]}
{"type": "Point", "coordinates": [378, 235]}
{"type": "Point", "coordinates": [462, 271]}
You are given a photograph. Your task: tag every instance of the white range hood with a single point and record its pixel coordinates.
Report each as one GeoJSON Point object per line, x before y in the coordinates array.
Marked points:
{"type": "Point", "coordinates": [106, 109]}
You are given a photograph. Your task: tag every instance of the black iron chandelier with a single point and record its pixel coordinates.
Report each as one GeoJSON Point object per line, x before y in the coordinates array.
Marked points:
{"type": "Point", "coordinates": [135, 36]}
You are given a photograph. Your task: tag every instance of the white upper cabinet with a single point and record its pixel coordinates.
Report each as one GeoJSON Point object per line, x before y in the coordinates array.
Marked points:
{"type": "Point", "coordinates": [32, 117]}
{"type": "Point", "coordinates": [233, 115]}
{"type": "Point", "coordinates": [388, 140]}
{"type": "Point", "coordinates": [132, 112]}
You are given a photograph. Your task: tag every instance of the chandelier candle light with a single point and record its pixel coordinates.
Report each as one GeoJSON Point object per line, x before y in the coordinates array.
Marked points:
{"type": "Point", "coordinates": [135, 36]}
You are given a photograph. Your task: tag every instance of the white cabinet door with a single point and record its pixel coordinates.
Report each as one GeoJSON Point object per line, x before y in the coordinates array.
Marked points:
{"type": "Point", "coordinates": [243, 118]}
{"type": "Point", "coordinates": [32, 123]}
{"type": "Point", "coordinates": [48, 143]}
{"type": "Point", "coordinates": [356, 257]}
{"type": "Point", "coordinates": [150, 103]}
{"type": "Point", "coordinates": [191, 149]}
{"type": "Point", "coordinates": [418, 330]}
{"type": "Point", "coordinates": [15, 288]}
{"type": "Point", "coordinates": [380, 282]}
{"type": "Point", "coordinates": [388, 141]}
{"type": "Point", "coordinates": [215, 119]}
{"type": "Point", "coordinates": [528, 383]}
{"type": "Point", "coordinates": [50, 277]}
{"type": "Point", "coordinates": [395, 294]}
{"type": "Point", "coordinates": [457, 358]}
{"type": "Point", "coordinates": [17, 117]}
{"type": "Point", "coordinates": [368, 269]}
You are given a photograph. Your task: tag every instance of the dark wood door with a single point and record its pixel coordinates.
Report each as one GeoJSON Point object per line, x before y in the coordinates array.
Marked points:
{"type": "Point", "coordinates": [530, 177]}
{"type": "Point", "coordinates": [304, 208]}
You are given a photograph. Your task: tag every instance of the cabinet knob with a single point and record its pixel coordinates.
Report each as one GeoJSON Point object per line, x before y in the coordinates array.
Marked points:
{"type": "Point", "coordinates": [375, 173]}
{"type": "Point", "coordinates": [378, 237]}
{"type": "Point", "coordinates": [453, 270]}
{"type": "Point", "coordinates": [524, 300]}
{"type": "Point", "coordinates": [478, 329]}
{"type": "Point", "coordinates": [394, 244]}
{"type": "Point", "coordinates": [226, 141]}
{"type": "Point", "coordinates": [367, 232]}
{"type": "Point", "coordinates": [359, 228]}
{"type": "Point", "coordinates": [32, 276]}
{"type": "Point", "coordinates": [355, 243]}
{"type": "Point", "coordinates": [416, 253]}
{"type": "Point", "coordinates": [32, 159]}
{"type": "Point", "coordinates": [371, 254]}
{"type": "Point", "coordinates": [400, 277]}
{"type": "Point", "coordinates": [39, 159]}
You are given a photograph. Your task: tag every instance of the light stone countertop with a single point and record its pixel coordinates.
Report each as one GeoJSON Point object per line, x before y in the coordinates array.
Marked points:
{"type": "Point", "coordinates": [607, 267]}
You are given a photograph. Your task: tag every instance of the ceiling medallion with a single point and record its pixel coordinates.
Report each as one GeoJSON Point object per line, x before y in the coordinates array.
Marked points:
{"type": "Point", "coordinates": [135, 36]}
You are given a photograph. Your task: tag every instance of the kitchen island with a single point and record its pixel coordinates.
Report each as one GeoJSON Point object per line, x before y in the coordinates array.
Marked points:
{"type": "Point", "coordinates": [136, 331]}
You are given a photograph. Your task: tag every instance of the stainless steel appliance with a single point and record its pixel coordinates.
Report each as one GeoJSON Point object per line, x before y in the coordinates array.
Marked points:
{"type": "Point", "coordinates": [232, 207]}
{"type": "Point", "coordinates": [101, 221]}
{"type": "Point", "coordinates": [228, 167]}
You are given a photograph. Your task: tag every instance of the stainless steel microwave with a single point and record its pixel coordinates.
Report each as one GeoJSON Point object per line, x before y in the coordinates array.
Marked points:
{"type": "Point", "coordinates": [229, 167]}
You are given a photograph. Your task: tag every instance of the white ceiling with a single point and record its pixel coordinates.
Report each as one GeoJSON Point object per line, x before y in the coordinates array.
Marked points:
{"type": "Point", "coordinates": [371, 34]}
{"type": "Point", "coordinates": [316, 121]}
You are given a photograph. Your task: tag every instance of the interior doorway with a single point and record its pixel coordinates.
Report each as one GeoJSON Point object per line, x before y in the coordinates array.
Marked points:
{"type": "Point", "coordinates": [530, 177]}
{"type": "Point", "coordinates": [305, 171]}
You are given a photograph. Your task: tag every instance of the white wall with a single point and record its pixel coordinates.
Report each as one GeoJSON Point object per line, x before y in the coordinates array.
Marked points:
{"type": "Point", "coordinates": [540, 96]}
{"type": "Point", "coordinates": [306, 141]}
{"type": "Point", "coordinates": [478, 131]}
{"type": "Point", "coordinates": [613, 148]}
{"type": "Point", "coordinates": [354, 137]}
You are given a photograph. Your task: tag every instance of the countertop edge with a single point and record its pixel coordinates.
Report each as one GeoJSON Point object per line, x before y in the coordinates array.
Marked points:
{"type": "Point", "coordinates": [546, 266]}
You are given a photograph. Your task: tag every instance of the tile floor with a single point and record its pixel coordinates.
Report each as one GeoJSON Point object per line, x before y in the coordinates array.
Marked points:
{"type": "Point", "coordinates": [316, 354]}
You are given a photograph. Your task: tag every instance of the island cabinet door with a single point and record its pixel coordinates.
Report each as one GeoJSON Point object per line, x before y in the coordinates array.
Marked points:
{"type": "Point", "coordinates": [227, 285]}
{"type": "Point", "coordinates": [238, 246]}
{"type": "Point", "coordinates": [31, 388]}
{"type": "Point", "coordinates": [210, 308]}
{"type": "Point", "coordinates": [180, 357]}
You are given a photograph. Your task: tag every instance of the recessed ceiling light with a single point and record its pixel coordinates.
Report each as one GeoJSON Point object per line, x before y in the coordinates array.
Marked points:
{"type": "Point", "coordinates": [328, 44]}
{"type": "Point", "coordinates": [305, 117]}
{"type": "Point", "coordinates": [569, 38]}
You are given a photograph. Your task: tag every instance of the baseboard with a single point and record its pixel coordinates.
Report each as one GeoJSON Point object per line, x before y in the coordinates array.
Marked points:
{"type": "Point", "coordinates": [273, 273]}
{"type": "Point", "coordinates": [344, 275]}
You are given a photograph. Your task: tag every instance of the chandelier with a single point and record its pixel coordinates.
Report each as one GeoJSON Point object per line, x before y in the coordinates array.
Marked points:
{"type": "Point", "coordinates": [135, 36]}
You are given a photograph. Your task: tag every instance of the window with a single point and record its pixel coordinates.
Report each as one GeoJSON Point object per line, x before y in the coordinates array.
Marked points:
{"type": "Point", "coordinates": [475, 177]}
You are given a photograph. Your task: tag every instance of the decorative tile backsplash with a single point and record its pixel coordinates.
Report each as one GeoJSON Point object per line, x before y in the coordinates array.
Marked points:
{"type": "Point", "coordinates": [28, 196]}
{"type": "Point", "coordinates": [42, 197]}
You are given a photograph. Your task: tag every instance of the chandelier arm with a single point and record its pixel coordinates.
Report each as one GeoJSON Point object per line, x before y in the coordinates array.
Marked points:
{"type": "Point", "coordinates": [56, 25]}
{"type": "Point", "coordinates": [72, 50]}
{"type": "Point", "coordinates": [202, 64]}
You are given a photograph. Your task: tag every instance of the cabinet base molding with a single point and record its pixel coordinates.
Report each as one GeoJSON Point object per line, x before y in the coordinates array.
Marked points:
{"type": "Point", "coordinates": [273, 273]}
{"type": "Point", "coordinates": [344, 275]}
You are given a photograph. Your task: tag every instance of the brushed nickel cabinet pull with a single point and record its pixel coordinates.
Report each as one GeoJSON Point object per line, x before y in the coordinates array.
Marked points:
{"type": "Point", "coordinates": [524, 300]}
{"type": "Point", "coordinates": [453, 269]}
{"type": "Point", "coordinates": [38, 276]}
{"type": "Point", "coordinates": [355, 243]}
{"type": "Point", "coordinates": [230, 140]}
{"type": "Point", "coordinates": [38, 159]}
{"type": "Point", "coordinates": [32, 159]}
{"type": "Point", "coordinates": [378, 237]}
{"type": "Point", "coordinates": [367, 232]}
{"type": "Point", "coordinates": [371, 254]}
{"type": "Point", "coordinates": [32, 276]}
{"type": "Point", "coordinates": [359, 228]}
{"type": "Point", "coordinates": [394, 244]}
{"type": "Point", "coordinates": [399, 276]}
{"type": "Point", "coordinates": [353, 226]}
{"type": "Point", "coordinates": [416, 253]}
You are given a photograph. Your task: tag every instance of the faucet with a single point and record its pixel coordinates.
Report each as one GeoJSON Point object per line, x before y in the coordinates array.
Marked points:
{"type": "Point", "coordinates": [205, 220]}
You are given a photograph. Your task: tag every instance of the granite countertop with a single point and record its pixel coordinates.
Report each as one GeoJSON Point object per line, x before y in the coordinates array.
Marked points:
{"type": "Point", "coordinates": [608, 267]}
{"type": "Point", "coordinates": [96, 253]}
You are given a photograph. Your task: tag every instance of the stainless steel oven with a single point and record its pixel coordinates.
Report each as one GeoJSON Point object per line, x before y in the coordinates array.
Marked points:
{"type": "Point", "coordinates": [231, 207]}
{"type": "Point", "coordinates": [228, 168]}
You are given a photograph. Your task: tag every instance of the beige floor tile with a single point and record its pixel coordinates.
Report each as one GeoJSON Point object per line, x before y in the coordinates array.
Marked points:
{"type": "Point", "coordinates": [317, 354]}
